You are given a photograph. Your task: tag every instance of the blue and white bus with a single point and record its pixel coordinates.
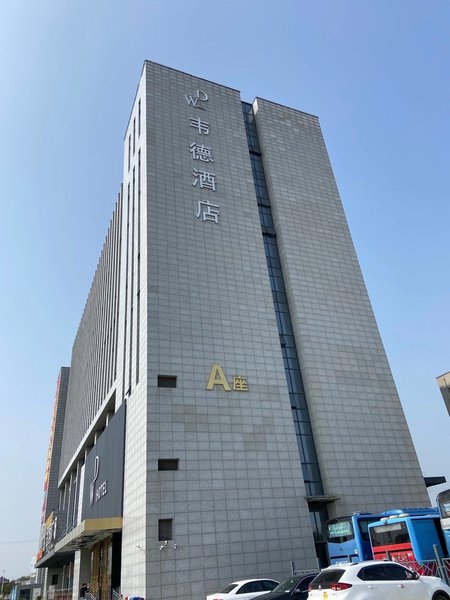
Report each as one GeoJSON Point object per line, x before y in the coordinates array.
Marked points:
{"type": "Point", "coordinates": [443, 505]}
{"type": "Point", "coordinates": [348, 537]}
{"type": "Point", "coordinates": [411, 538]}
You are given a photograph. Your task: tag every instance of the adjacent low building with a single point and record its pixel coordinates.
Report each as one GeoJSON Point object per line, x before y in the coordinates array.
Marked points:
{"type": "Point", "coordinates": [228, 389]}
{"type": "Point", "coordinates": [444, 385]}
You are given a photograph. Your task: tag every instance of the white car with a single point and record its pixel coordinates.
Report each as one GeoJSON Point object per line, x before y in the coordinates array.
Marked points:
{"type": "Point", "coordinates": [375, 580]}
{"type": "Point", "coordinates": [246, 589]}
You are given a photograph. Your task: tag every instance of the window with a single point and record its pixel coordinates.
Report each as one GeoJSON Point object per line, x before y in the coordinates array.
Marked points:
{"type": "Point", "coordinates": [168, 464]}
{"type": "Point", "coordinates": [326, 578]}
{"type": "Point", "coordinates": [363, 525]}
{"type": "Point", "coordinates": [267, 585]}
{"type": "Point", "coordinates": [129, 151]}
{"type": "Point", "coordinates": [134, 135]}
{"type": "Point", "coordinates": [55, 579]}
{"type": "Point", "coordinates": [229, 588]}
{"type": "Point", "coordinates": [373, 573]}
{"type": "Point", "coordinates": [386, 535]}
{"type": "Point", "coordinates": [249, 588]}
{"type": "Point", "coordinates": [139, 118]}
{"type": "Point", "coordinates": [165, 527]}
{"type": "Point", "coordinates": [304, 583]}
{"type": "Point", "coordinates": [167, 381]}
{"type": "Point", "coordinates": [397, 573]}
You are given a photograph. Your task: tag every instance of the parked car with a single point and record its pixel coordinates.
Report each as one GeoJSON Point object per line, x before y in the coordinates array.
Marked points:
{"type": "Point", "coordinates": [295, 587]}
{"type": "Point", "coordinates": [375, 580]}
{"type": "Point", "coordinates": [246, 589]}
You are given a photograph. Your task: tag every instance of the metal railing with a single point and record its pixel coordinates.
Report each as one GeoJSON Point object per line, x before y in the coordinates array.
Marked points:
{"type": "Point", "coordinates": [60, 594]}
{"type": "Point", "coordinates": [440, 567]}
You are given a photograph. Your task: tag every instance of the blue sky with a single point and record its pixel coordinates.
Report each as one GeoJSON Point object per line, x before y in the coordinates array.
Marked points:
{"type": "Point", "coordinates": [374, 71]}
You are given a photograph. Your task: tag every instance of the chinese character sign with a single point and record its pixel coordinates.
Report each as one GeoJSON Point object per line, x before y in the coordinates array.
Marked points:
{"type": "Point", "coordinates": [201, 153]}
{"type": "Point", "coordinates": [204, 179]}
{"type": "Point", "coordinates": [202, 127]}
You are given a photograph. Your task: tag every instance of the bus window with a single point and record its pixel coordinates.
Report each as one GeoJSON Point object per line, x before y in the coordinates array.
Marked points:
{"type": "Point", "coordinates": [363, 525]}
{"type": "Point", "coordinates": [389, 534]}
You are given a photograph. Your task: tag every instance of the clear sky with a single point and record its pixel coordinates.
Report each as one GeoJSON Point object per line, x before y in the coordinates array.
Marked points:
{"type": "Point", "coordinates": [376, 72]}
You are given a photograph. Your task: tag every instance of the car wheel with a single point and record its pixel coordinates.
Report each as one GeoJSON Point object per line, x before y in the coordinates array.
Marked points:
{"type": "Point", "coordinates": [440, 596]}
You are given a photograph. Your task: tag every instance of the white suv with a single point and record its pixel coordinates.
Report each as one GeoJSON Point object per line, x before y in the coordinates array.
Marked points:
{"type": "Point", "coordinates": [375, 580]}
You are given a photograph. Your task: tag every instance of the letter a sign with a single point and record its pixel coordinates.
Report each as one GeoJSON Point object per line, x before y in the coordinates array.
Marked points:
{"type": "Point", "coordinates": [217, 377]}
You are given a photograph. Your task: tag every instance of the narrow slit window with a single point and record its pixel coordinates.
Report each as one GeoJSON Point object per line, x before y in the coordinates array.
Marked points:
{"type": "Point", "coordinates": [167, 381]}
{"type": "Point", "coordinates": [165, 530]}
{"type": "Point", "coordinates": [168, 464]}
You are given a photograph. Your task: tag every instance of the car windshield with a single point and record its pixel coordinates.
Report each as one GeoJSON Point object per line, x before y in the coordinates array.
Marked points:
{"type": "Point", "coordinates": [287, 585]}
{"type": "Point", "coordinates": [229, 588]}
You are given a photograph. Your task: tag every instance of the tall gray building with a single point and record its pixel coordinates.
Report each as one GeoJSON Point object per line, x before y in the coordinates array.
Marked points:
{"type": "Point", "coordinates": [228, 389]}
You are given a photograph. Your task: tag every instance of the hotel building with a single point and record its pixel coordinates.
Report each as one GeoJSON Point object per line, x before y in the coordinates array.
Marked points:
{"type": "Point", "coordinates": [228, 388]}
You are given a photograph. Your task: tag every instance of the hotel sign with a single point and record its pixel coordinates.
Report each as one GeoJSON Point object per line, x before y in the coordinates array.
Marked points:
{"type": "Point", "coordinates": [103, 472]}
{"type": "Point", "coordinates": [96, 493]}
{"type": "Point", "coordinates": [202, 179]}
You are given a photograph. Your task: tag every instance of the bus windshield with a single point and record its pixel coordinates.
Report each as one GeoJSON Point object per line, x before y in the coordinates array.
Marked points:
{"type": "Point", "coordinates": [340, 530]}
{"type": "Point", "coordinates": [389, 534]}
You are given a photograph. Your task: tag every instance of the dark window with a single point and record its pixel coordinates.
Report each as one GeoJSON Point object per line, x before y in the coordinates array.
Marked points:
{"type": "Point", "coordinates": [397, 573]}
{"type": "Point", "coordinates": [372, 573]}
{"type": "Point", "coordinates": [249, 588]}
{"type": "Point", "coordinates": [386, 572]}
{"type": "Point", "coordinates": [304, 583]}
{"type": "Point", "coordinates": [168, 464]}
{"type": "Point", "coordinates": [165, 527]}
{"type": "Point", "coordinates": [229, 588]}
{"type": "Point", "coordinates": [392, 533]}
{"type": "Point", "coordinates": [267, 585]}
{"type": "Point", "coordinates": [326, 579]}
{"type": "Point", "coordinates": [55, 579]}
{"type": "Point", "coordinates": [363, 526]}
{"type": "Point", "coordinates": [167, 381]}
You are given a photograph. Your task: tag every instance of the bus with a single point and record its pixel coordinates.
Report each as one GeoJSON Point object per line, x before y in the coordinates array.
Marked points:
{"type": "Point", "coordinates": [408, 538]}
{"type": "Point", "coordinates": [443, 505]}
{"type": "Point", "coordinates": [348, 537]}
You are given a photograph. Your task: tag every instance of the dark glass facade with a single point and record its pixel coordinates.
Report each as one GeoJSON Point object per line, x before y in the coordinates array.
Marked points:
{"type": "Point", "coordinates": [300, 415]}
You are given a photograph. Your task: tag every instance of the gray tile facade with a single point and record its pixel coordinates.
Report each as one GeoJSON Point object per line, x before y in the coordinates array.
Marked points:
{"type": "Point", "coordinates": [365, 450]}
{"type": "Point", "coordinates": [238, 500]}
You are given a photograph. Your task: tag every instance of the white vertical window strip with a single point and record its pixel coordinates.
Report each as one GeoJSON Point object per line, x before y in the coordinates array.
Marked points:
{"type": "Point", "coordinates": [138, 268]}
{"type": "Point", "coordinates": [133, 216]}
{"type": "Point", "coordinates": [139, 118]}
{"type": "Point", "coordinates": [127, 237]}
{"type": "Point", "coordinates": [80, 494]}
{"type": "Point", "coordinates": [118, 267]}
